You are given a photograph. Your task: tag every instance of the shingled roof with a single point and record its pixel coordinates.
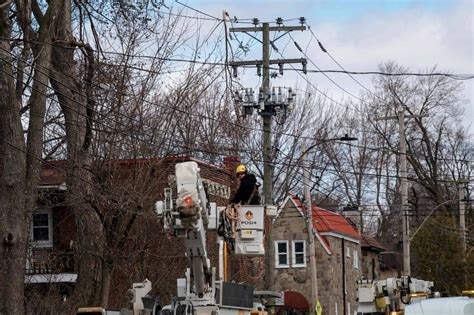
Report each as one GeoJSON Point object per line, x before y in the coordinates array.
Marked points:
{"type": "Point", "coordinates": [371, 243]}
{"type": "Point", "coordinates": [53, 173]}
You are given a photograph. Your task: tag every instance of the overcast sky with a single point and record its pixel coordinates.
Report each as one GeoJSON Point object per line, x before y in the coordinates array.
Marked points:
{"type": "Point", "coordinates": [361, 34]}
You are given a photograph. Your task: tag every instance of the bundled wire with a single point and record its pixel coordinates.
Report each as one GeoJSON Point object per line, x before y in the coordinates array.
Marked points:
{"type": "Point", "coordinates": [229, 221]}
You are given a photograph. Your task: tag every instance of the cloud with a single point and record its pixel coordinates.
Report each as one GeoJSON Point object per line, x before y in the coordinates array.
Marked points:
{"type": "Point", "coordinates": [413, 37]}
{"type": "Point", "coordinates": [363, 34]}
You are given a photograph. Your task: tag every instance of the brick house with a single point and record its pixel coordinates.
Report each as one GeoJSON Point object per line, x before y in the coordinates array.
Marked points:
{"type": "Point", "coordinates": [51, 261]}
{"type": "Point", "coordinates": [337, 256]}
{"type": "Point", "coordinates": [50, 257]}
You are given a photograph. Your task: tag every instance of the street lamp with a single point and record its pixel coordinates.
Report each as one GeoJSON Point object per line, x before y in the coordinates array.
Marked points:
{"type": "Point", "coordinates": [347, 138]}
{"type": "Point", "coordinates": [428, 216]}
{"type": "Point", "coordinates": [309, 218]}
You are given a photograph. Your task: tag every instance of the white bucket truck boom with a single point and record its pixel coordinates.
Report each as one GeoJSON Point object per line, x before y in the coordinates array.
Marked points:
{"type": "Point", "coordinates": [188, 218]}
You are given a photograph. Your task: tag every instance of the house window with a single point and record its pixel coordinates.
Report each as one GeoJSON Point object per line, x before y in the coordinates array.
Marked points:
{"type": "Point", "coordinates": [356, 259]}
{"type": "Point", "coordinates": [281, 254]}
{"type": "Point", "coordinates": [348, 252]}
{"type": "Point", "coordinates": [299, 254]}
{"type": "Point", "coordinates": [42, 229]}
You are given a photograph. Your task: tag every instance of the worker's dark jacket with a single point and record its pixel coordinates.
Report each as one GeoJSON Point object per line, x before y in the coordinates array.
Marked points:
{"type": "Point", "coordinates": [247, 194]}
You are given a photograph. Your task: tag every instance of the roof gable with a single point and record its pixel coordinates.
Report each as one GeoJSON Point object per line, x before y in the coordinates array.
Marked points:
{"type": "Point", "coordinates": [291, 201]}
{"type": "Point", "coordinates": [325, 220]}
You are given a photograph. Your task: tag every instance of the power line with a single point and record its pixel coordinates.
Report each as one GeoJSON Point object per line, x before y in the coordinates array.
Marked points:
{"type": "Point", "coordinates": [459, 77]}
{"type": "Point", "coordinates": [95, 120]}
{"type": "Point", "coordinates": [329, 214]}
{"type": "Point", "coordinates": [198, 11]}
{"type": "Point", "coordinates": [118, 53]}
{"type": "Point", "coordinates": [63, 170]}
{"type": "Point", "coordinates": [315, 87]}
{"type": "Point", "coordinates": [185, 112]}
{"type": "Point", "coordinates": [328, 77]}
{"type": "Point", "coordinates": [288, 134]}
{"type": "Point", "coordinates": [196, 149]}
{"type": "Point", "coordinates": [344, 70]}
{"type": "Point", "coordinates": [452, 76]}
{"type": "Point", "coordinates": [214, 152]}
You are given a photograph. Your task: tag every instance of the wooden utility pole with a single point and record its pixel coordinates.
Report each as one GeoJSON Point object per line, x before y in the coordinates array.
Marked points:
{"type": "Point", "coordinates": [462, 213]}
{"type": "Point", "coordinates": [311, 230]}
{"type": "Point", "coordinates": [267, 118]}
{"type": "Point", "coordinates": [404, 187]}
{"type": "Point", "coordinates": [267, 111]}
{"type": "Point", "coordinates": [404, 194]}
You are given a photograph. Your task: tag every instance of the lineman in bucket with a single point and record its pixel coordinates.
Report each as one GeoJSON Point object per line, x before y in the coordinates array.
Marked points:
{"type": "Point", "coordinates": [247, 194]}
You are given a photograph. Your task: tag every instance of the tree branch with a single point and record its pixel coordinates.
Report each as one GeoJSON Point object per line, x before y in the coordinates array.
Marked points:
{"type": "Point", "coordinates": [6, 4]}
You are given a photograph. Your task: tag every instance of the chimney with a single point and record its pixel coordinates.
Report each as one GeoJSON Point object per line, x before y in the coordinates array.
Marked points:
{"type": "Point", "coordinates": [231, 163]}
{"type": "Point", "coordinates": [353, 215]}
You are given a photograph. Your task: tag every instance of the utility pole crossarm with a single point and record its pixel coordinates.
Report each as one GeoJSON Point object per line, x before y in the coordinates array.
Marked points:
{"type": "Point", "coordinates": [270, 28]}
{"type": "Point", "coordinates": [260, 62]}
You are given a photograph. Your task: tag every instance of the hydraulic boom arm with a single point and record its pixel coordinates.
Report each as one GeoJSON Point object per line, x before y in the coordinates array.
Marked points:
{"type": "Point", "coordinates": [188, 219]}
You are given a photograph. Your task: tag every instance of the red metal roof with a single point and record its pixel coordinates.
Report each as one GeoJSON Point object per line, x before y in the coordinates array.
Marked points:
{"type": "Point", "coordinates": [328, 221]}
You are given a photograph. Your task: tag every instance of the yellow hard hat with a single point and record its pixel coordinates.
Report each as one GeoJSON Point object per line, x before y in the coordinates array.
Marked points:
{"type": "Point", "coordinates": [241, 169]}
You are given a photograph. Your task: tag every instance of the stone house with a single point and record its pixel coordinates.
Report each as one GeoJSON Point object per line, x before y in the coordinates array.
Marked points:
{"type": "Point", "coordinates": [52, 262]}
{"type": "Point", "coordinates": [391, 264]}
{"type": "Point", "coordinates": [337, 256]}
{"type": "Point", "coordinates": [371, 249]}
{"type": "Point", "coordinates": [371, 258]}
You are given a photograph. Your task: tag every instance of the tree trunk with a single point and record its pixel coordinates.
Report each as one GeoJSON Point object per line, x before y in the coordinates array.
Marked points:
{"type": "Point", "coordinates": [107, 270]}
{"type": "Point", "coordinates": [13, 223]}
{"type": "Point", "coordinates": [21, 166]}
{"type": "Point", "coordinates": [75, 104]}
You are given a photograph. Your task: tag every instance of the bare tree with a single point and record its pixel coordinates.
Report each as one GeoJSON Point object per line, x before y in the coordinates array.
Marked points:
{"type": "Point", "coordinates": [353, 164]}
{"type": "Point", "coordinates": [308, 122]}
{"type": "Point", "coordinates": [21, 153]}
{"type": "Point", "coordinates": [129, 115]}
{"type": "Point", "coordinates": [436, 146]}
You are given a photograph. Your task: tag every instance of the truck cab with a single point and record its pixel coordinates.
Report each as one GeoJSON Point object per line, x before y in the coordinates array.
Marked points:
{"type": "Point", "coordinates": [455, 305]}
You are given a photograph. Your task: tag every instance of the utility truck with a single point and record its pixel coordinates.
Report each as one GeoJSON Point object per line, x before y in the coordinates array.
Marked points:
{"type": "Point", "coordinates": [187, 215]}
{"type": "Point", "coordinates": [454, 305]}
{"type": "Point", "coordinates": [188, 218]}
{"type": "Point", "coordinates": [389, 297]}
